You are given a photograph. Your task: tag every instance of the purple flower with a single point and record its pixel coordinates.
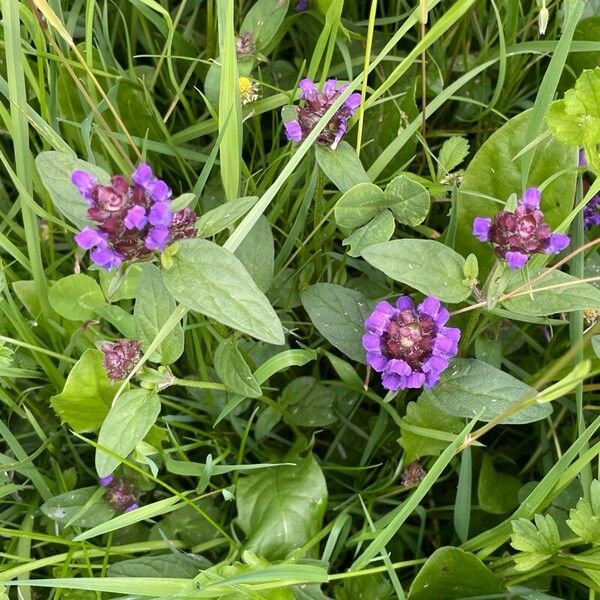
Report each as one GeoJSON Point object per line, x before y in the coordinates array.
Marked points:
{"type": "Point", "coordinates": [314, 105]}
{"type": "Point", "coordinates": [133, 219]}
{"type": "Point", "coordinates": [410, 346]}
{"type": "Point", "coordinates": [301, 5]}
{"type": "Point", "coordinates": [582, 159]}
{"type": "Point", "coordinates": [515, 236]}
{"type": "Point", "coordinates": [120, 493]}
{"type": "Point", "coordinates": [245, 46]}
{"type": "Point", "coordinates": [591, 213]}
{"type": "Point", "coordinates": [120, 358]}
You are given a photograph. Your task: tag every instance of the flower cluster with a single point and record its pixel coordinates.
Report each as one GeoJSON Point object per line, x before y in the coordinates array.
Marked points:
{"type": "Point", "coordinates": [515, 236]}
{"type": "Point", "coordinates": [134, 219]}
{"type": "Point", "coordinates": [120, 358]}
{"type": "Point", "coordinates": [591, 213]}
{"type": "Point", "coordinates": [120, 493]}
{"type": "Point", "coordinates": [245, 46]}
{"type": "Point", "coordinates": [315, 105]}
{"type": "Point", "coordinates": [410, 346]}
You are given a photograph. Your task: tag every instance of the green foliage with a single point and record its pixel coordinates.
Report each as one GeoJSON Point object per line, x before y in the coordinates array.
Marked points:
{"type": "Point", "coordinates": [359, 205]}
{"type": "Point", "coordinates": [408, 200]}
{"type": "Point", "coordinates": [221, 217]}
{"type": "Point", "coordinates": [342, 166]}
{"type": "Point", "coordinates": [584, 520]}
{"type": "Point", "coordinates": [498, 492]}
{"type": "Point", "coordinates": [452, 153]}
{"type": "Point", "coordinates": [84, 507]}
{"type": "Point", "coordinates": [76, 297]}
{"type": "Point", "coordinates": [162, 565]}
{"type": "Point", "coordinates": [378, 229]}
{"type": "Point", "coordinates": [233, 370]}
{"type": "Point", "coordinates": [537, 542]}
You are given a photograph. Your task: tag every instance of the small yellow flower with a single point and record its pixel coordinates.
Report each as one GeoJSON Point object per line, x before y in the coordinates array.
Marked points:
{"type": "Point", "coordinates": [249, 90]}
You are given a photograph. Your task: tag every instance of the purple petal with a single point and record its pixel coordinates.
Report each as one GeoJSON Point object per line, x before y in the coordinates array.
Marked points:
{"type": "Point", "coordinates": [481, 228]}
{"type": "Point", "coordinates": [88, 238]}
{"type": "Point", "coordinates": [160, 215]}
{"type": "Point", "coordinates": [405, 303]}
{"type": "Point", "coordinates": [143, 175]}
{"type": "Point", "coordinates": [371, 342]}
{"type": "Point", "coordinates": [377, 360]}
{"type": "Point", "coordinates": [105, 481]}
{"type": "Point", "coordinates": [531, 198]}
{"type": "Point", "coordinates": [84, 182]}
{"type": "Point", "coordinates": [106, 258]}
{"type": "Point", "coordinates": [330, 87]}
{"type": "Point", "coordinates": [293, 131]}
{"type": "Point", "coordinates": [392, 382]}
{"type": "Point", "coordinates": [415, 380]}
{"type": "Point", "coordinates": [157, 238]}
{"type": "Point", "coordinates": [582, 160]}
{"type": "Point", "coordinates": [435, 364]}
{"type": "Point", "coordinates": [159, 191]}
{"type": "Point", "coordinates": [131, 507]}
{"type": "Point", "coordinates": [379, 318]}
{"type": "Point", "coordinates": [430, 306]}
{"type": "Point", "coordinates": [301, 5]}
{"type": "Point", "coordinates": [353, 102]}
{"type": "Point", "coordinates": [516, 260]}
{"type": "Point", "coordinates": [431, 379]}
{"type": "Point", "coordinates": [557, 243]}
{"type": "Point", "coordinates": [308, 88]}
{"type": "Point", "coordinates": [135, 218]}
{"type": "Point", "coordinates": [446, 342]}
{"type": "Point", "coordinates": [398, 367]}
{"type": "Point", "coordinates": [341, 130]}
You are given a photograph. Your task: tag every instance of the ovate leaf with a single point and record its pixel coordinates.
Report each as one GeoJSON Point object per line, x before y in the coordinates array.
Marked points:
{"type": "Point", "coordinates": [257, 254]}
{"type": "Point", "coordinates": [233, 370]}
{"type": "Point", "coordinates": [377, 230]}
{"type": "Point", "coordinates": [223, 216]}
{"type": "Point", "coordinates": [359, 205]}
{"type": "Point", "coordinates": [498, 492]}
{"type": "Point", "coordinates": [212, 281]}
{"type": "Point", "coordinates": [263, 21]}
{"type": "Point", "coordinates": [76, 297]}
{"type": "Point", "coordinates": [342, 166]}
{"type": "Point", "coordinates": [425, 265]}
{"type": "Point", "coordinates": [408, 200]}
{"type": "Point", "coordinates": [127, 423]}
{"type": "Point", "coordinates": [454, 150]}
{"type": "Point", "coordinates": [161, 565]}
{"type": "Point", "coordinates": [84, 507]}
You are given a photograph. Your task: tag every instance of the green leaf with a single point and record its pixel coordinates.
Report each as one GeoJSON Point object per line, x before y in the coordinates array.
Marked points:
{"type": "Point", "coordinates": [55, 170]}
{"type": "Point", "coordinates": [308, 403]}
{"type": "Point", "coordinates": [342, 166]}
{"type": "Point", "coordinates": [408, 200]}
{"type": "Point", "coordinates": [494, 173]}
{"type": "Point", "coordinates": [280, 509]}
{"type": "Point", "coordinates": [379, 229]}
{"type": "Point", "coordinates": [127, 423]}
{"type": "Point", "coordinates": [257, 254]}
{"type": "Point", "coordinates": [76, 297]}
{"type": "Point", "coordinates": [359, 205]}
{"type": "Point", "coordinates": [223, 216]}
{"type": "Point", "coordinates": [537, 542]}
{"type": "Point", "coordinates": [470, 385]}
{"type": "Point", "coordinates": [421, 427]}
{"type": "Point", "coordinates": [584, 520]}
{"type": "Point", "coordinates": [153, 307]}
{"type": "Point", "coordinates": [568, 295]}
{"type": "Point", "coordinates": [161, 565]}
{"type": "Point", "coordinates": [498, 492]}
{"type": "Point", "coordinates": [366, 587]}
{"type": "Point", "coordinates": [87, 505]}
{"type": "Point", "coordinates": [454, 150]}
{"type": "Point", "coordinates": [87, 395]}
{"type": "Point", "coordinates": [339, 315]}
{"type": "Point", "coordinates": [212, 281]}
{"type": "Point", "coordinates": [263, 21]}
{"type": "Point", "coordinates": [428, 266]}
{"type": "Point", "coordinates": [596, 345]}
{"type": "Point", "coordinates": [233, 370]}
{"type": "Point", "coordinates": [452, 573]}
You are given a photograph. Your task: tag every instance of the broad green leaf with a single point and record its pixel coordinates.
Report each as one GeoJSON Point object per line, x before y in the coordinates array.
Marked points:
{"type": "Point", "coordinates": [339, 314]}
{"type": "Point", "coordinates": [280, 509]}
{"type": "Point", "coordinates": [223, 216]}
{"type": "Point", "coordinates": [27, 292]}
{"type": "Point", "coordinates": [452, 574]}
{"type": "Point", "coordinates": [87, 503]}
{"type": "Point", "coordinates": [128, 421]}
{"type": "Point", "coordinates": [537, 542]}
{"type": "Point", "coordinates": [470, 385]}
{"type": "Point", "coordinates": [153, 307]}
{"type": "Point", "coordinates": [498, 492]}
{"type": "Point", "coordinates": [584, 520]}
{"type": "Point", "coordinates": [171, 565]}
{"type": "Point", "coordinates": [76, 297]}
{"type": "Point", "coordinates": [494, 172]}
{"type": "Point", "coordinates": [359, 205]}
{"type": "Point", "coordinates": [426, 265]}
{"type": "Point", "coordinates": [366, 587]}
{"type": "Point", "coordinates": [257, 254]}
{"type": "Point", "coordinates": [87, 395]}
{"type": "Point", "coordinates": [342, 166]}
{"type": "Point", "coordinates": [408, 200]}
{"type": "Point", "coordinates": [263, 21]}
{"type": "Point", "coordinates": [55, 170]}
{"type": "Point", "coordinates": [596, 345]}
{"type": "Point", "coordinates": [587, 30]}
{"type": "Point", "coordinates": [308, 403]}
{"type": "Point", "coordinates": [423, 429]}
{"type": "Point", "coordinates": [233, 370]}
{"type": "Point", "coordinates": [117, 285]}
{"type": "Point", "coordinates": [454, 150]}
{"type": "Point", "coordinates": [377, 230]}
{"type": "Point", "coordinates": [212, 281]}
{"type": "Point", "coordinates": [566, 294]}
{"type": "Point", "coordinates": [119, 318]}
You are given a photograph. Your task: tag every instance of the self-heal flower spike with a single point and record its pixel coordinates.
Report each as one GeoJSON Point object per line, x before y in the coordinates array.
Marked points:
{"type": "Point", "coordinates": [409, 346]}
{"type": "Point", "coordinates": [120, 358]}
{"type": "Point", "coordinates": [120, 493]}
{"type": "Point", "coordinates": [133, 219]}
{"type": "Point", "coordinates": [515, 236]}
{"type": "Point", "coordinates": [314, 105]}
{"type": "Point", "coordinates": [591, 213]}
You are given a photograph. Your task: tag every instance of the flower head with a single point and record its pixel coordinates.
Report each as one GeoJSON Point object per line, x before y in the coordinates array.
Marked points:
{"type": "Point", "coordinates": [120, 358]}
{"type": "Point", "coordinates": [515, 236]}
{"type": "Point", "coordinates": [591, 213]}
{"type": "Point", "coordinates": [314, 105]}
{"type": "Point", "coordinates": [127, 215]}
{"type": "Point", "coordinates": [245, 46]}
{"type": "Point", "coordinates": [249, 90]}
{"type": "Point", "coordinates": [410, 346]}
{"type": "Point", "coordinates": [120, 493]}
